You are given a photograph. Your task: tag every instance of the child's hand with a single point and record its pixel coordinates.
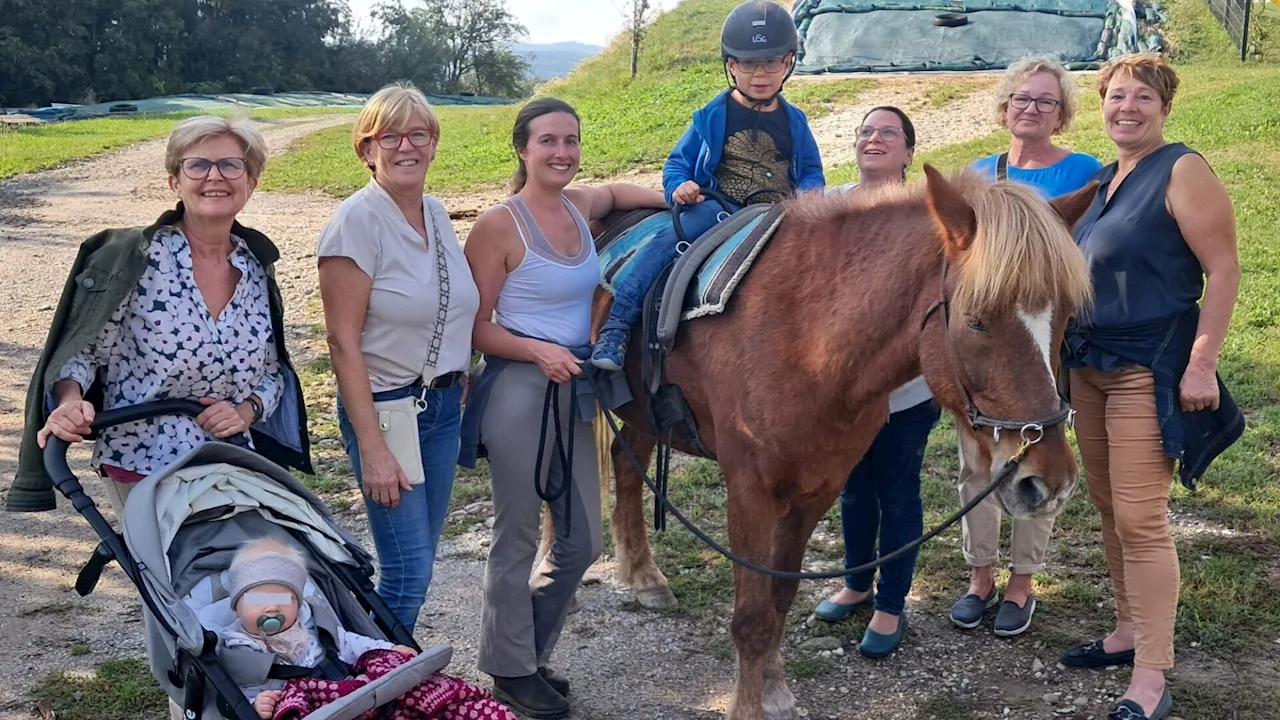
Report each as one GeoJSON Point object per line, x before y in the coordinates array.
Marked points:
{"type": "Point", "coordinates": [265, 703]}
{"type": "Point", "coordinates": [406, 650]}
{"type": "Point", "coordinates": [688, 193]}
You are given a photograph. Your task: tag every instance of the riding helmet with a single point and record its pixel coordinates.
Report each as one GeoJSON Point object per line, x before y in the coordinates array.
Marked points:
{"type": "Point", "coordinates": [758, 29]}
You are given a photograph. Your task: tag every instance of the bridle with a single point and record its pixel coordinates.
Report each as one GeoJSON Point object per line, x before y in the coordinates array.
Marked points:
{"type": "Point", "coordinates": [1029, 432]}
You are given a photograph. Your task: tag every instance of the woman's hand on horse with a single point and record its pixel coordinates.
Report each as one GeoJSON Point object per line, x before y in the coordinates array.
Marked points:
{"type": "Point", "coordinates": [1198, 389]}
{"type": "Point", "coordinates": [221, 419]}
{"type": "Point", "coordinates": [381, 477]}
{"type": "Point", "coordinates": [556, 362]}
{"type": "Point", "coordinates": [688, 193]}
{"type": "Point", "coordinates": [69, 421]}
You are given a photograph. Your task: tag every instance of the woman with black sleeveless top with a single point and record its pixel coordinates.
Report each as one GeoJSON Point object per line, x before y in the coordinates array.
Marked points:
{"type": "Point", "coordinates": [1143, 362]}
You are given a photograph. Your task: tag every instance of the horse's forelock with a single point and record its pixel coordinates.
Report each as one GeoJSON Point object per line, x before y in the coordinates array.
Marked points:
{"type": "Point", "coordinates": [1023, 255]}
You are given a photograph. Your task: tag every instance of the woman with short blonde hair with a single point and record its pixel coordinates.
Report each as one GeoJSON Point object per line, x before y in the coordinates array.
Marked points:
{"type": "Point", "coordinates": [399, 304]}
{"type": "Point", "coordinates": [1160, 240]}
{"type": "Point", "coordinates": [1036, 99]}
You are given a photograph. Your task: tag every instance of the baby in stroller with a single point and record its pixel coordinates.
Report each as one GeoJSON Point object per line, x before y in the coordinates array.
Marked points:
{"type": "Point", "coordinates": [267, 581]}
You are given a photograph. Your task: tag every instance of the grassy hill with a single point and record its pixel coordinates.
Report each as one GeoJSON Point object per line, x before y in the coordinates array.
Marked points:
{"type": "Point", "coordinates": [626, 124]}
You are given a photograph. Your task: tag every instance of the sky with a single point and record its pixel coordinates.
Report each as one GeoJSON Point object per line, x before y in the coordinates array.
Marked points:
{"type": "Point", "coordinates": [593, 22]}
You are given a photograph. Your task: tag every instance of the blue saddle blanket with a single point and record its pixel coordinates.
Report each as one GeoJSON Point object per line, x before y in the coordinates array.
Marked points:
{"type": "Point", "coordinates": [718, 275]}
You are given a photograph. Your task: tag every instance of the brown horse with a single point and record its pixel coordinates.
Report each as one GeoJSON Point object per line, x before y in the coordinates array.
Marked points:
{"type": "Point", "coordinates": [968, 283]}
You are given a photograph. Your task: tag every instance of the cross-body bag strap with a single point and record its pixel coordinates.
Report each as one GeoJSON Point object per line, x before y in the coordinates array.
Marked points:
{"type": "Point", "coordinates": [442, 311]}
{"type": "Point", "coordinates": [1002, 167]}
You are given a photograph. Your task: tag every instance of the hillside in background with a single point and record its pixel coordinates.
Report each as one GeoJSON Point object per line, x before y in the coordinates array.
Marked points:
{"type": "Point", "coordinates": [548, 61]}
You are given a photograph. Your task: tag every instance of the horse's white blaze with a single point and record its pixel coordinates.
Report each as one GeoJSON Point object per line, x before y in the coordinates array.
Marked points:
{"type": "Point", "coordinates": [1040, 325]}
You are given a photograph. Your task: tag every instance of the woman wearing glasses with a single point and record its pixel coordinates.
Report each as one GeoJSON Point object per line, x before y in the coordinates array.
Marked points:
{"type": "Point", "coordinates": [399, 305]}
{"type": "Point", "coordinates": [881, 498]}
{"type": "Point", "coordinates": [186, 308]}
{"type": "Point", "coordinates": [1035, 101]}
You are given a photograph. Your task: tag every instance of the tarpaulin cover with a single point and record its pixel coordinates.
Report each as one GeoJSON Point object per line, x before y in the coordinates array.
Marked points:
{"type": "Point", "coordinates": [900, 35]}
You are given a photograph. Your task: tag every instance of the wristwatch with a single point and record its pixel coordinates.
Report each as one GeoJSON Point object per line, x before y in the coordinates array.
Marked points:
{"type": "Point", "coordinates": [257, 407]}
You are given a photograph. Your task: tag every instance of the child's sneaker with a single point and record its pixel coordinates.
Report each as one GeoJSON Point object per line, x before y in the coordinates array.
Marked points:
{"type": "Point", "coordinates": [611, 349]}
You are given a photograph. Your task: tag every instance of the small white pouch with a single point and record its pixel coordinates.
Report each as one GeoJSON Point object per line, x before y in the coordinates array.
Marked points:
{"type": "Point", "coordinates": [398, 420]}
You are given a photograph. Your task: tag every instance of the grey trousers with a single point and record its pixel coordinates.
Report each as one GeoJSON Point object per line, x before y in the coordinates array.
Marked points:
{"type": "Point", "coordinates": [522, 615]}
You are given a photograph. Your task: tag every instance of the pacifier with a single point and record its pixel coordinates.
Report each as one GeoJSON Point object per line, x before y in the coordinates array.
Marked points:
{"type": "Point", "coordinates": [271, 624]}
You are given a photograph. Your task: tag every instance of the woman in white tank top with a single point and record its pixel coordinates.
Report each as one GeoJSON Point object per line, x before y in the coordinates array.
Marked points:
{"type": "Point", "coordinates": [534, 262]}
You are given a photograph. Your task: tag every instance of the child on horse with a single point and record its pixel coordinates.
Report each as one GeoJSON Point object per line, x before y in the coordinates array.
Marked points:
{"type": "Point", "coordinates": [748, 143]}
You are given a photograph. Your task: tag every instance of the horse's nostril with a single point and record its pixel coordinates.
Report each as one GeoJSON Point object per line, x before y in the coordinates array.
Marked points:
{"type": "Point", "coordinates": [1032, 491]}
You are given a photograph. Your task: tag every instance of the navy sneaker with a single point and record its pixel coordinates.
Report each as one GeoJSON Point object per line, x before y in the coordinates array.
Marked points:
{"type": "Point", "coordinates": [1012, 620]}
{"type": "Point", "coordinates": [968, 611]}
{"type": "Point", "coordinates": [611, 349]}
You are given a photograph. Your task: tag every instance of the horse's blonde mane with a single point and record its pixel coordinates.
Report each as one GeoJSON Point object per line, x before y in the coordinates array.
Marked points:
{"type": "Point", "coordinates": [1022, 255]}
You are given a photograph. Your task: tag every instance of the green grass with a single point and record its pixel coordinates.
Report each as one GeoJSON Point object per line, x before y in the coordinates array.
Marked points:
{"type": "Point", "coordinates": [39, 147]}
{"type": "Point", "coordinates": [626, 124]}
{"type": "Point", "coordinates": [117, 690]}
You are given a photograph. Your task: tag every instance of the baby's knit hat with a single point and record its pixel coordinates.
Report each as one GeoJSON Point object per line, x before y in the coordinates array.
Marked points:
{"type": "Point", "coordinates": [248, 571]}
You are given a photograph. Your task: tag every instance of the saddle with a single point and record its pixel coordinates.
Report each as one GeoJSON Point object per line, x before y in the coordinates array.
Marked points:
{"type": "Point", "coordinates": [699, 283]}
{"type": "Point", "coordinates": [703, 278]}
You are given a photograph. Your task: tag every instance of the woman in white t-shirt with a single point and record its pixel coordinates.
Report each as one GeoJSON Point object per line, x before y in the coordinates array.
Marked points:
{"type": "Point", "coordinates": [399, 304]}
{"type": "Point", "coordinates": [880, 504]}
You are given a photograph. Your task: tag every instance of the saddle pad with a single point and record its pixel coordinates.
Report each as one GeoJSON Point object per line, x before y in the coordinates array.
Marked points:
{"type": "Point", "coordinates": [620, 243]}
{"type": "Point", "coordinates": [720, 274]}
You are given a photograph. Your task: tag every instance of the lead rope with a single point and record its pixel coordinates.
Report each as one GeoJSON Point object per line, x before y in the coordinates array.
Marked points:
{"type": "Point", "coordinates": [1004, 474]}
{"type": "Point", "coordinates": [551, 410]}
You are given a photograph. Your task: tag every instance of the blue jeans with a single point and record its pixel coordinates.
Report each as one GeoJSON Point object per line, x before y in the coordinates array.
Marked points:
{"type": "Point", "coordinates": [406, 537]}
{"type": "Point", "coordinates": [882, 497]}
{"type": "Point", "coordinates": [628, 297]}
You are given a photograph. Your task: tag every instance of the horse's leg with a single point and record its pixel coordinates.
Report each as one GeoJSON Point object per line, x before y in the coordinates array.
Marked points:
{"type": "Point", "coordinates": [636, 567]}
{"type": "Point", "coordinates": [790, 538]}
{"type": "Point", "coordinates": [753, 515]}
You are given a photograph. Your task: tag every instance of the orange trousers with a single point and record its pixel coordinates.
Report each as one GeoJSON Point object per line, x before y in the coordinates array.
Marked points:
{"type": "Point", "coordinates": [1129, 478]}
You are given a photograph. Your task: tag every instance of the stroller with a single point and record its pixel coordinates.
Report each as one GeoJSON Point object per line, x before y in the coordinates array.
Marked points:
{"type": "Point", "coordinates": [181, 527]}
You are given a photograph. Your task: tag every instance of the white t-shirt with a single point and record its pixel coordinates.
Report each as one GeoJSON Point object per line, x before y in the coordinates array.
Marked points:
{"type": "Point", "coordinates": [916, 390]}
{"type": "Point", "coordinates": [369, 228]}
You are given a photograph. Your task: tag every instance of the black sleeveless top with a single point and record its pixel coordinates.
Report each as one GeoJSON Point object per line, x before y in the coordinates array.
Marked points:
{"type": "Point", "coordinates": [1144, 273]}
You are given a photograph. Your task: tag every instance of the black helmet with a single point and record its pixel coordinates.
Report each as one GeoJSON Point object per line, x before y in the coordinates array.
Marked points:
{"type": "Point", "coordinates": [758, 29]}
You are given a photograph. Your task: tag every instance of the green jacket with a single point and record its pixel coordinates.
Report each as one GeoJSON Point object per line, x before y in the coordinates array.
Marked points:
{"type": "Point", "coordinates": [107, 269]}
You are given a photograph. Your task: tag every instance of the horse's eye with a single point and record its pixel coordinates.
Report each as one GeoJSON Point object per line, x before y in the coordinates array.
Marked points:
{"type": "Point", "coordinates": [976, 324]}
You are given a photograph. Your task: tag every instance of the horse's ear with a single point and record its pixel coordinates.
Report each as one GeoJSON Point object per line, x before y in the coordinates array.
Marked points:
{"type": "Point", "coordinates": [954, 215]}
{"type": "Point", "coordinates": [1073, 206]}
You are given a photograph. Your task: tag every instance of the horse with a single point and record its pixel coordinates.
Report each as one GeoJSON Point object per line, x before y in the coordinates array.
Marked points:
{"type": "Point", "coordinates": [967, 282]}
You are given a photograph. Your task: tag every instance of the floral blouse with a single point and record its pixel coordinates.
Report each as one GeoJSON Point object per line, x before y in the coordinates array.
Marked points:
{"type": "Point", "coordinates": [162, 343]}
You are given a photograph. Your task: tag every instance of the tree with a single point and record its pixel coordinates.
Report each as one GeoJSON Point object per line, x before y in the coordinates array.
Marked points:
{"type": "Point", "coordinates": [453, 46]}
{"type": "Point", "coordinates": [637, 22]}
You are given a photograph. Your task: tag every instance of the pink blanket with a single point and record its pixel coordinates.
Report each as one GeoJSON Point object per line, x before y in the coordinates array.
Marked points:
{"type": "Point", "coordinates": [439, 697]}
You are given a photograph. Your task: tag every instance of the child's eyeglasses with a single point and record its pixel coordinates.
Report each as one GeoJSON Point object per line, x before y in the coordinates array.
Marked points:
{"type": "Point", "coordinates": [770, 65]}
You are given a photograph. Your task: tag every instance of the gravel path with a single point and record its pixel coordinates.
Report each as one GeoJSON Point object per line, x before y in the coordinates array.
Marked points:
{"type": "Point", "coordinates": [626, 663]}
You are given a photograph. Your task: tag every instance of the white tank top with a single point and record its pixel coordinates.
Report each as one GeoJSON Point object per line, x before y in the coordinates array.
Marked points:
{"type": "Point", "coordinates": [549, 295]}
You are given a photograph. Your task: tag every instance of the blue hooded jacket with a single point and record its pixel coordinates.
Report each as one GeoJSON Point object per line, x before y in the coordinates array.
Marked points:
{"type": "Point", "coordinates": [698, 153]}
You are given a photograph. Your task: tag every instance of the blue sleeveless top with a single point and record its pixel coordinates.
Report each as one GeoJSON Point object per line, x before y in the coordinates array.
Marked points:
{"type": "Point", "coordinates": [1143, 270]}
{"type": "Point", "coordinates": [1065, 176]}
{"type": "Point", "coordinates": [1147, 286]}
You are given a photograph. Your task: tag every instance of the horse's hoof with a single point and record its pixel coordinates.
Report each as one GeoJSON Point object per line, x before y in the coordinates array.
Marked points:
{"type": "Point", "coordinates": [659, 598]}
{"type": "Point", "coordinates": [576, 604]}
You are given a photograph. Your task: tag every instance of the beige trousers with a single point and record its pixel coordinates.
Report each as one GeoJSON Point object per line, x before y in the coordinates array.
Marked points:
{"type": "Point", "coordinates": [1129, 480]}
{"type": "Point", "coordinates": [981, 528]}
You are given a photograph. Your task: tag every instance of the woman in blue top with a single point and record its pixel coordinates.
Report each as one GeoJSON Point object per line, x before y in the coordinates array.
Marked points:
{"type": "Point", "coordinates": [1036, 100]}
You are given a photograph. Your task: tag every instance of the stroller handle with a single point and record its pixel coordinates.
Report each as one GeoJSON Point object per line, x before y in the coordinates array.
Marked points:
{"type": "Point", "coordinates": [55, 449]}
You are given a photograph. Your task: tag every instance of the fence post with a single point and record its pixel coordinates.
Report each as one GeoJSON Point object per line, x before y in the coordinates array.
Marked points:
{"type": "Point", "coordinates": [1244, 39]}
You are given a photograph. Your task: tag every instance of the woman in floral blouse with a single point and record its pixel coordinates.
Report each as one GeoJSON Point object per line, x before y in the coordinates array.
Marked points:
{"type": "Point", "coordinates": [203, 321]}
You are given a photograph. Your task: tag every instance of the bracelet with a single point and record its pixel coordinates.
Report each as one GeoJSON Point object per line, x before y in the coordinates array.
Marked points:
{"type": "Point", "coordinates": [257, 407]}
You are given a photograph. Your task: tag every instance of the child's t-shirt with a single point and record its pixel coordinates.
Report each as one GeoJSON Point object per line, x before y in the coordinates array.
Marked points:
{"type": "Point", "coordinates": [757, 153]}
